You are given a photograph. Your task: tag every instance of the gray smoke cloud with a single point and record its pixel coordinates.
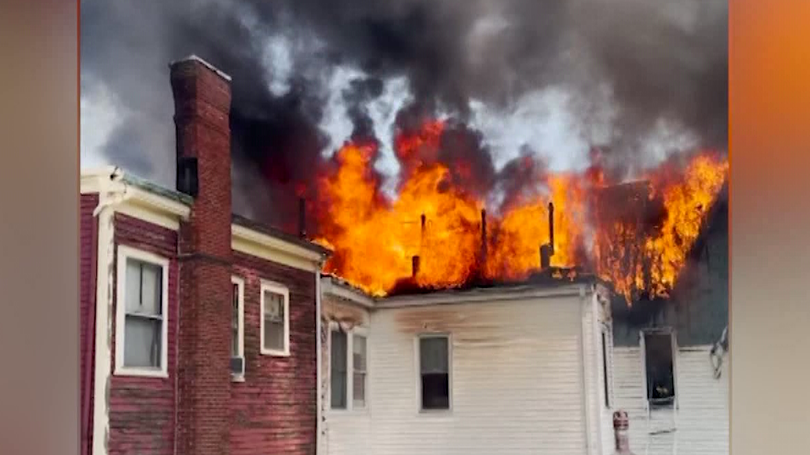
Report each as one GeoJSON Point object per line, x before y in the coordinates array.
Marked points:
{"type": "Point", "coordinates": [643, 79]}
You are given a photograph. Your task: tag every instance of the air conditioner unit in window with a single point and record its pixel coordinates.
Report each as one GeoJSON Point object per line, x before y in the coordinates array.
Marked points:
{"type": "Point", "coordinates": [237, 366]}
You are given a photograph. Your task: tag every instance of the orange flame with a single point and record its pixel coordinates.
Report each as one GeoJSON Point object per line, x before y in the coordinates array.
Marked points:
{"type": "Point", "coordinates": [376, 239]}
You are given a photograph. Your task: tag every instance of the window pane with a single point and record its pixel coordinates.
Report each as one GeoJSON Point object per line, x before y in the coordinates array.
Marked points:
{"type": "Point", "coordinates": [235, 322]}
{"type": "Point", "coordinates": [133, 284]}
{"type": "Point", "coordinates": [359, 389]}
{"type": "Point", "coordinates": [433, 355]}
{"type": "Point", "coordinates": [273, 306]}
{"type": "Point", "coordinates": [274, 335]}
{"type": "Point", "coordinates": [143, 288]}
{"type": "Point", "coordinates": [142, 342]}
{"type": "Point", "coordinates": [359, 353]}
{"type": "Point", "coordinates": [435, 391]}
{"type": "Point", "coordinates": [338, 369]}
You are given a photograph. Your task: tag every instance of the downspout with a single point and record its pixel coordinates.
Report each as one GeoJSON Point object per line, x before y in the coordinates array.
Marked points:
{"type": "Point", "coordinates": [108, 197]}
{"type": "Point", "coordinates": [586, 411]}
{"type": "Point", "coordinates": [318, 373]}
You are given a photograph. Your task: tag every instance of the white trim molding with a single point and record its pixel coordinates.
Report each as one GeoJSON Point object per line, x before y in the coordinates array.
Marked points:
{"type": "Point", "coordinates": [132, 200]}
{"type": "Point", "coordinates": [355, 331]}
{"type": "Point", "coordinates": [261, 245]}
{"type": "Point", "coordinates": [240, 284]}
{"type": "Point", "coordinates": [268, 286]}
{"type": "Point", "coordinates": [125, 253]}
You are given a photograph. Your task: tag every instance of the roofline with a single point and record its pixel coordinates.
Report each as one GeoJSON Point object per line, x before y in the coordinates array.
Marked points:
{"type": "Point", "coordinates": [484, 295]}
{"type": "Point", "coordinates": [333, 286]}
{"type": "Point", "coordinates": [246, 223]}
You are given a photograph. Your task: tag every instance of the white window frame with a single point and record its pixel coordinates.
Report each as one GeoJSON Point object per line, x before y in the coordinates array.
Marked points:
{"type": "Point", "coordinates": [350, 334]}
{"type": "Point", "coordinates": [284, 291]}
{"type": "Point", "coordinates": [418, 363]}
{"type": "Point", "coordinates": [123, 254]}
{"type": "Point", "coordinates": [240, 283]}
{"type": "Point", "coordinates": [357, 331]}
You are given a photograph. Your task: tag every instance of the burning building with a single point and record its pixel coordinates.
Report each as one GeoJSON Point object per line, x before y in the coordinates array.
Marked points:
{"type": "Point", "coordinates": [449, 327]}
{"type": "Point", "coordinates": [448, 321]}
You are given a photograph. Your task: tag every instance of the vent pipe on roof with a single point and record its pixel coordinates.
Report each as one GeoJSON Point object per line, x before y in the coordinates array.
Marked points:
{"type": "Point", "coordinates": [547, 250]}
{"type": "Point", "coordinates": [302, 221]}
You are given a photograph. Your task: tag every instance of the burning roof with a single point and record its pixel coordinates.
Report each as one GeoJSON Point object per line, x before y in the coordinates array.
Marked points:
{"type": "Point", "coordinates": [441, 230]}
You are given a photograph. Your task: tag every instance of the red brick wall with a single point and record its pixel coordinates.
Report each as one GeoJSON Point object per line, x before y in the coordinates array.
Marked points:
{"type": "Point", "coordinates": [274, 410]}
{"type": "Point", "coordinates": [142, 410]}
{"type": "Point", "coordinates": [87, 289]}
{"type": "Point", "coordinates": [202, 100]}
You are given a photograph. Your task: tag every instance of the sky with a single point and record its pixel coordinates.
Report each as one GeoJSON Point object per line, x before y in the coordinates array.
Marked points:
{"type": "Point", "coordinates": [643, 78]}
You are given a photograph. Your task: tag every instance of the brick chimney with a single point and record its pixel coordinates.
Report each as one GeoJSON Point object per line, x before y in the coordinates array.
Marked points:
{"type": "Point", "coordinates": [202, 100]}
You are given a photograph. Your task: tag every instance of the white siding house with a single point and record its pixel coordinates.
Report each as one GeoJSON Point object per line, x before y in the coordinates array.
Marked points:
{"type": "Point", "coordinates": [522, 366]}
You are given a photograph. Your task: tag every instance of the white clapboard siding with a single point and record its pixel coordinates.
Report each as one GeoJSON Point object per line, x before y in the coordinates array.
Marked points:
{"type": "Point", "coordinates": [701, 420]}
{"type": "Point", "coordinates": [516, 379]}
{"type": "Point", "coordinates": [344, 432]}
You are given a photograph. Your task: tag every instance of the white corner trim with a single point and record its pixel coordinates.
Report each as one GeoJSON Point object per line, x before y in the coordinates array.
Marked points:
{"type": "Point", "coordinates": [241, 321]}
{"type": "Point", "coordinates": [133, 201]}
{"type": "Point", "coordinates": [284, 291]}
{"type": "Point", "coordinates": [124, 253]}
{"type": "Point", "coordinates": [103, 324]}
{"type": "Point", "coordinates": [258, 244]}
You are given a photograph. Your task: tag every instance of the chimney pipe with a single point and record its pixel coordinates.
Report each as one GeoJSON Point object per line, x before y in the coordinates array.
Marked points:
{"type": "Point", "coordinates": [414, 265]}
{"type": "Point", "coordinates": [302, 221]}
{"type": "Point", "coordinates": [551, 227]}
{"type": "Point", "coordinates": [483, 236]}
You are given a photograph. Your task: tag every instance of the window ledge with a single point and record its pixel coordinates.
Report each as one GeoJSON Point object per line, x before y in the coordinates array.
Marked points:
{"type": "Point", "coordinates": [237, 378]}
{"type": "Point", "coordinates": [141, 373]}
{"type": "Point", "coordinates": [275, 353]}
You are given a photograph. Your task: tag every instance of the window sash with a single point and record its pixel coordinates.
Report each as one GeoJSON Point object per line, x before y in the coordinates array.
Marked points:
{"type": "Point", "coordinates": [338, 361]}
{"type": "Point", "coordinates": [359, 369]}
{"type": "Point", "coordinates": [275, 321]}
{"type": "Point", "coordinates": [235, 345]}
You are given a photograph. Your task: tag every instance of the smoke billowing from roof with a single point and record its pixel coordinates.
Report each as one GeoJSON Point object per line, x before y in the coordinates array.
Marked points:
{"type": "Point", "coordinates": [555, 77]}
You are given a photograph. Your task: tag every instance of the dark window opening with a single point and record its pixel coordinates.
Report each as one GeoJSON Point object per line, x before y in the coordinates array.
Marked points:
{"type": "Point", "coordinates": [338, 362]}
{"type": "Point", "coordinates": [660, 369]}
{"type": "Point", "coordinates": [434, 372]}
{"type": "Point", "coordinates": [605, 369]}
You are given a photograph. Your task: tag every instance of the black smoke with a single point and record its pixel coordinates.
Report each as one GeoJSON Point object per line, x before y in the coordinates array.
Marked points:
{"type": "Point", "coordinates": [663, 62]}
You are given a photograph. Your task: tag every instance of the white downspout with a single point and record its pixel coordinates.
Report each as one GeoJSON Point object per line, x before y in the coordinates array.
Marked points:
{"type": "Point", "coordinates": [107, 198]}
{"type": "Point", "coordinates": [583, 378]}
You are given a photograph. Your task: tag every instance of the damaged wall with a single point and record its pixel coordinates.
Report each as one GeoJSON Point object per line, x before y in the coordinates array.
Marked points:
{"type": "Point", "coordinates": [698, 307]}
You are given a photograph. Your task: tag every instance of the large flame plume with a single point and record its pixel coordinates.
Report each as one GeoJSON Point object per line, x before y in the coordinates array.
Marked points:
{"type": "Point", "coordinates": [431, 234]}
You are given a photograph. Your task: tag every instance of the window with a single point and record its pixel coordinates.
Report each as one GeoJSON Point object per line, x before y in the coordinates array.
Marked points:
{"type": "Point", "coordinates": [660, 368]}
{"type": "Point", "coordinates": [434, 372]}
{"type": "Point", "coordinates": [348, 368]}
{"type": "Point", "coordinates": [238, 323]}
{"type": "Point", "coordinates": [141, 327]}
{"type": "Point", "coordinates": [606, 365]}
{"type": "Point", "coordinates": [338, 369]}
{"type": "Point", "coordinates": [275, 320]}
{"type": "Point", "coordinates": [358, 371]}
